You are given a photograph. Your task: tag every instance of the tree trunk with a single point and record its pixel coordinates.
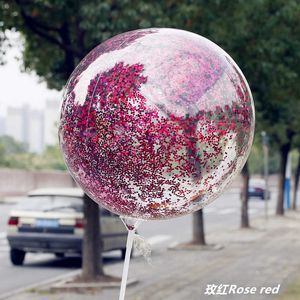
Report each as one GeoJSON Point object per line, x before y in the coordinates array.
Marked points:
{"type": "Point", "coordinates": [198, 228]}
{"type": "Point", "coordinates": [296, 183]}
{"type": "Point", "coordinates": [92, 265]}
{"type": "Point", "coordinates": [284, 151]}
{"type": "Point", "coordinates": [245, 197]}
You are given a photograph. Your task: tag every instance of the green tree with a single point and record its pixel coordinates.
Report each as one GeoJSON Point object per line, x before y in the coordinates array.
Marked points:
{"type": "Point", "coordinates": [14, 154]}
{"type": "Point", "coordinates": [11, 145]}
{"type": "Point", "coordinates": [10, 150]}
{"type": "Point", "coordinates": [2, 155]}
{"type": "Point", "coordinates": [57, 35]}
{"type": "Point", "coordinates": [276, 76]}
{"type": "Point", "coordinates": [262, 37]}
{"type": "Point", "coordinates": [51, 158]}
{"type": "Point", "coordinates": [226, 23]}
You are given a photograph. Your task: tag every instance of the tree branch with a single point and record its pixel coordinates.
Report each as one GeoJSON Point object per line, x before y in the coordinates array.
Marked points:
{"type": "Point", "coordinates": [41, 30]}
{"type": "Point", "coordinates": [69, 55]}
{"type": "Point", "coordinates": [34, 20]}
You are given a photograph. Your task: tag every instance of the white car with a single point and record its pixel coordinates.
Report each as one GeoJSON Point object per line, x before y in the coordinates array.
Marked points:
{"type": "Point", "coordinates": [257, 188]}
{"type": "Point", "coordinates": [50, 220]}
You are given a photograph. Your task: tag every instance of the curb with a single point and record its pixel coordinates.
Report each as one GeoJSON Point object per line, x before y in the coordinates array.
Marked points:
{"type": "Point", "coordinates": [66, 285]}
{"type": "Point", "coordinates": [193, 247]}
{"type": "Point", "coordinates": [40, 284]}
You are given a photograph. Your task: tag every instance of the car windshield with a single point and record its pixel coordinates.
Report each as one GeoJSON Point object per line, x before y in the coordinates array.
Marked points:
{"type": "Point", "coordinates": [257, 182]}
{"type": "Point", "coordinates": [51, 203]}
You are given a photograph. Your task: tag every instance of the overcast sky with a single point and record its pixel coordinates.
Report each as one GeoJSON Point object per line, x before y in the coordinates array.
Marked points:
{"type": "Point", "coordinates": [18, 88]}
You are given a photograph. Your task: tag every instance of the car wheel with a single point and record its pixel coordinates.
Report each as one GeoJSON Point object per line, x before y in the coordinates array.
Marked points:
{"type": "Point", "coordinates": [123, 253]}
{"type": "Point", "coordinates": [17, 257]}
{"type": "Point", "coordinates": [59, 255]}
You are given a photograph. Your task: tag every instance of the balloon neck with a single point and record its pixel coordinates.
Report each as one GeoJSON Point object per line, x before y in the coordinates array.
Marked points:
{"type": "Point", "coordinates": [130, 223]}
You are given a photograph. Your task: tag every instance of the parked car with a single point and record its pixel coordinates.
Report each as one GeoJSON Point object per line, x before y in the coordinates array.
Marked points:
{"type": "Point", "coordinates": [51, 221]}
{"type": "Point", "coordinates": [257, 189]}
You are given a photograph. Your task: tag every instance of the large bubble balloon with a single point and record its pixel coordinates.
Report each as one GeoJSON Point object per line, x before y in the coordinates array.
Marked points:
{"type": "Point", "coordinates": [156, 122]}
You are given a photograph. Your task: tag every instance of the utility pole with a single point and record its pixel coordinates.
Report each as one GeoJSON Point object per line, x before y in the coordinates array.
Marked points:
{"type": "Point", "coordinates": [287, 182]}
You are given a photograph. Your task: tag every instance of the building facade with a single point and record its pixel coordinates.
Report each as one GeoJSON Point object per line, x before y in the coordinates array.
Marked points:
{"type": "Point", "coordinates": [51, 119]}
{"type": "Point", "coordinates": [34, 128]}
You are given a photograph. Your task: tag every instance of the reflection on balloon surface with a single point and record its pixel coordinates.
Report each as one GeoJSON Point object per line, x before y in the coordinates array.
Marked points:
{"type": "Point", "coordinates": [156, 122]}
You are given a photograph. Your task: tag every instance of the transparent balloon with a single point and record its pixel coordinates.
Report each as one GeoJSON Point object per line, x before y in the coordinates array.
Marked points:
{"type": "Point", "coordinates": [155, 123]}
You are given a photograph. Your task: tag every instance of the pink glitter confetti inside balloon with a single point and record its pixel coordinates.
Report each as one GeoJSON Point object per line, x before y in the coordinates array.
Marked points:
{"type": "Point", "coordinates": [155, 123]}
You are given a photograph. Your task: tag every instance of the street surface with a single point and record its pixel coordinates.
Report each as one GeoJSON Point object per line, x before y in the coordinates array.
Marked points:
{"type": "Point", "coordinates": [222, 213]}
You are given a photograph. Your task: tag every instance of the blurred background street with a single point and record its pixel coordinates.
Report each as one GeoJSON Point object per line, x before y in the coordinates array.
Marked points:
{"type": "Point", "coordinates": [222, 214]}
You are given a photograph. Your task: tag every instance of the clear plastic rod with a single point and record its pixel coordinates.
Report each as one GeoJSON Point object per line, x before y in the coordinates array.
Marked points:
{"type": "Point", "coordinates": [129, 243]}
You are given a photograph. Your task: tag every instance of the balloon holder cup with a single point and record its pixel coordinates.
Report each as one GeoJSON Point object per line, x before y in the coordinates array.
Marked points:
{"type": "Point", "coordinates": [131, 225]}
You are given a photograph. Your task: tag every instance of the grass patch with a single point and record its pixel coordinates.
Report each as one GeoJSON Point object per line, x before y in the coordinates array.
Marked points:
{"type": "Point", "coordinates": [292, 292]}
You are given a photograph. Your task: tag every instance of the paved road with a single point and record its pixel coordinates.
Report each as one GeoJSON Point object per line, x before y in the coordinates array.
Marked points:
{"type": "Point", "coordinates": [223, 212]}
{"type": "Point", "coordinates": [39, 267]}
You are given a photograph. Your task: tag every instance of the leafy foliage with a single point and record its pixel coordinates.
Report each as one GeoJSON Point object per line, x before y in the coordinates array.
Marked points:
{"type": "Point", "coordinates": [261, 35]}
{"type": "Point", "coordinates": [58, 34]}
{"type": "Point", "coordinates": [14, 155]}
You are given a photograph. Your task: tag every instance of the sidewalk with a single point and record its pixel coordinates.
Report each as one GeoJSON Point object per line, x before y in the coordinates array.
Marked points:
{"type": "Point", "coordinates": [264, 256]}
